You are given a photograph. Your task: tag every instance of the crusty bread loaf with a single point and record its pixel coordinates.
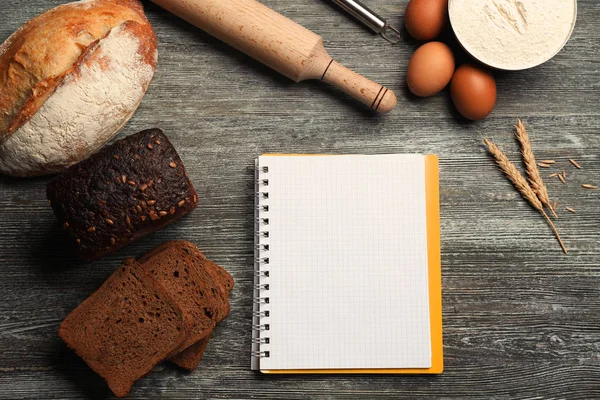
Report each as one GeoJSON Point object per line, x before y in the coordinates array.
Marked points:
{"type": "Point", "coordinates": [70, 79]}
{"type": "Point", "coordinates": [122, 193]}
{"type": "Point", "coordinates": [125, 328]}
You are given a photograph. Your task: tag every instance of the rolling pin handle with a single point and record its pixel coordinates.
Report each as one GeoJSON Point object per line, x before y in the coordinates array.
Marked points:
{"type": "Point", "coordinates": [377, 97]}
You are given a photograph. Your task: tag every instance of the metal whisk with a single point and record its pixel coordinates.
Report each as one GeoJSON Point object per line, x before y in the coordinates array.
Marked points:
{"type": "Point", "coordinates": [371, 19]}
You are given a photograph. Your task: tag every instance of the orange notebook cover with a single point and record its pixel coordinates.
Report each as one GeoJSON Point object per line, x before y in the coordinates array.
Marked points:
{"type": "Point", "coordinates": [433, 283]}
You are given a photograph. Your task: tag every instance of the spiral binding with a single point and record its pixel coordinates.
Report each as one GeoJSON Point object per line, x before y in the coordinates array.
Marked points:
{"type": "Point", "coordinates": [261, 262]}
{"type": "Point", "coordinates": [263, 314]}
{"type": "Point", "coordinates": [264, 286]}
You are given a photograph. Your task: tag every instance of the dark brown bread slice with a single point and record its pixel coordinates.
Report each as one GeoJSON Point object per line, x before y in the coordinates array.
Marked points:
{"type": "Point", "coordinates": [125, 328]}
{"type": "Point", "coordinates": [219, 274]}
{"type": "Point", "coordinates": [225, 285]}
{"type": "Point", "coordinates": [119, 195]}
{"type": "Point", "coordinates": [176, 265]}
{"type": "Point", "coordinates": [191, 357]}
{"type": "Point", "coordinates": [224, 278]}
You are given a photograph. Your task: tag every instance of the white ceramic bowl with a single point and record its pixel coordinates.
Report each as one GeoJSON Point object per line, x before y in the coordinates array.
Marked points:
{"type": "Point", "coordinates": [503, 35]}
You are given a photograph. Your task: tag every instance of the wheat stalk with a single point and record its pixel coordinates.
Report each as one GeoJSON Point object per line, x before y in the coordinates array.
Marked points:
{"type": "Point", "coordinates": [521, 184]}
{"type": "Point", "coordinates": [537, 183]}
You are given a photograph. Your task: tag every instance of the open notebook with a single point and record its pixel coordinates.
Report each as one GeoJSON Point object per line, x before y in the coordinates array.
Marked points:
{"type": "Point", "coordinates": [347, 272]}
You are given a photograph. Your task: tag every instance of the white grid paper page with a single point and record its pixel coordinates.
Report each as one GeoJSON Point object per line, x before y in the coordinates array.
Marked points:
{"type": "Point", "coordinates": [348, 262]}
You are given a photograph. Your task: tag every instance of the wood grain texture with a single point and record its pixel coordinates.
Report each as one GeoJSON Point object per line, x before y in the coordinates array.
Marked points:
{"type": "Point", "coordinates": [521, 320]}
{"type": "Point", "coordinates": [278, 42]}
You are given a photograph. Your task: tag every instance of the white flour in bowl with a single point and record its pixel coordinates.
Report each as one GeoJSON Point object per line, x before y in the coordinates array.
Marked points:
{"type": "Point", "coordinates": [513, 34]}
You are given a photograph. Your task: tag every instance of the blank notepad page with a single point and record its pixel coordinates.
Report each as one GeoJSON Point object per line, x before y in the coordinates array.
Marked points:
{"type": "Point", "coordinates": [348, 283]}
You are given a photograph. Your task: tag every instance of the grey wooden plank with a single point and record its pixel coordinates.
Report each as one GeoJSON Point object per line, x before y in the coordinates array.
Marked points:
{"type": "Point", "coordinates": [520, 318]}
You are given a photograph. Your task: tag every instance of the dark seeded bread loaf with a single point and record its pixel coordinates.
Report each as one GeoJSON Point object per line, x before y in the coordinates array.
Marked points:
{"type": "Point", "coordinates": [126, 191]}
{"type": "Point", "coordinates": [125, 328]}
{"type": "Point", "coordinates": [177, 265]}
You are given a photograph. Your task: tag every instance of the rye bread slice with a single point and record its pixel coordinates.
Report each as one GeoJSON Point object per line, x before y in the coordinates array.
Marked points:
{"type": "Point", "coordinates": [224, 276]}
{"type": "Point", "coordinates": [190, 358]}
{"type": "Point", "coordinates": [125, 328]}
{"type": "Point", "coordinates": [225, 284]}
{"type": "Point", "coordinates": [176, 265]}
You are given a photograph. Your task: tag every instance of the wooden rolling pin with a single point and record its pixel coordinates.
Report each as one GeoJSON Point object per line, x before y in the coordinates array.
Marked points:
{"type": "Point", "coordinates": [278, 42]}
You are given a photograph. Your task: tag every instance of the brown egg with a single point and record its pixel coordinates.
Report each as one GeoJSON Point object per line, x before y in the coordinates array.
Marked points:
{"type": "Point", "coordinates": [425, 19]}
{"type": "Point", "coordinates": [430, 69]}
{"type": "Point", "coordinates": [473, 91]}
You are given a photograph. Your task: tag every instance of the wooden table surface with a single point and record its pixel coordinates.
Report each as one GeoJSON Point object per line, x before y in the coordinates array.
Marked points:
{"type": "Point", "coordinates": [521, 319]}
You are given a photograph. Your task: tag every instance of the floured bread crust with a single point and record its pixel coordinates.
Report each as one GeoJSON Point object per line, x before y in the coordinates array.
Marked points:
{"type": "Point", "coordinates": [36, 57]}
{"type": "Point", "coordinates": [69, 80]}
{"type": "Point", "coordinates": [89, 107]}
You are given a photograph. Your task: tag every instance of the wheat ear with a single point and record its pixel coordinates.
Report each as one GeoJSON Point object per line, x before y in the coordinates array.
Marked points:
{"type": "Point", "coordinates": [537, 183]}
{"type": "Point", "coordinates": [521, 184]}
